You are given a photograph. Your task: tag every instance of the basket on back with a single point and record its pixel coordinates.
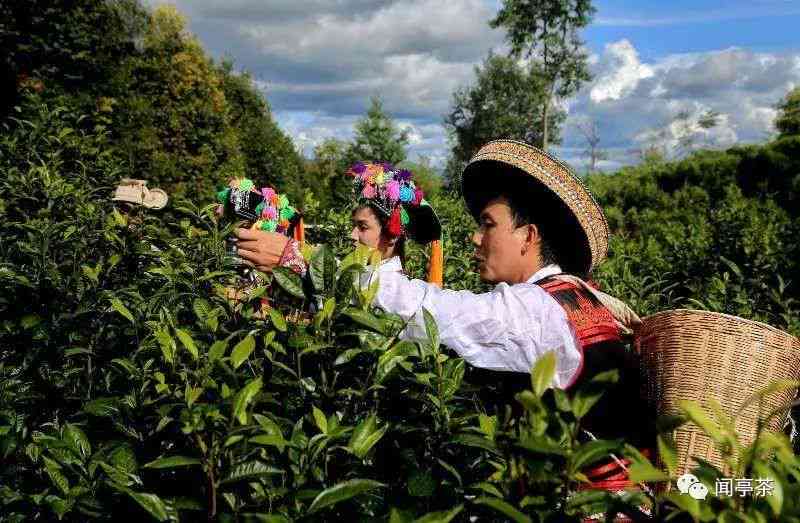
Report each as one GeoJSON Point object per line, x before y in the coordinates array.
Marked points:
{"type": "Point", "coordinates": [696, 355]}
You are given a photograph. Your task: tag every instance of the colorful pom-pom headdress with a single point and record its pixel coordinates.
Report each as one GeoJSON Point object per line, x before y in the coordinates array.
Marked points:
{"type": "Point", "coordinates": [395, 195]}
{"type": "Point", "coordinates": [266, 208]}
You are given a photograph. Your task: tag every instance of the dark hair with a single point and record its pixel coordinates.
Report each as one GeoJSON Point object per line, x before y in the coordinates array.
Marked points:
{"type": "Point", "coordinates": [521, 215]}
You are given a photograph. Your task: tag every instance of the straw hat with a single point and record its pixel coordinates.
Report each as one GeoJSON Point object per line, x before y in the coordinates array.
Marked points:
{"type": "Point", "coordinates": [557, 198]}
{"type": "Point", "coordinates": [136, 192]}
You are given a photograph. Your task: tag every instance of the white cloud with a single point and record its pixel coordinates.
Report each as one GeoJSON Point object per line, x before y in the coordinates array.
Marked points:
{"type": "Point", "coordinates": [638, 103]}
{"type": "Point", "coordinates": [319, 61]}
{"type": "Point", "coordinates": [623, 70]}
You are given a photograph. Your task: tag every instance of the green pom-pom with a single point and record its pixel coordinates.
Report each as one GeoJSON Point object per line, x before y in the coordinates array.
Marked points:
{"type": "Point", "coordinates": [259, 209]}
{"type": "Point", "coordinates": [287, 213]}
{"type": "Point", "coordinates": [223, 195]}
{"type": "Point", "coordinates": [283, 201]}
{"type": "Point", "coordinates": [246, 184]}
{"type": "Point", "coordinates": [270, 226]}
{"type": "Point", "coordinates": [404, 219]}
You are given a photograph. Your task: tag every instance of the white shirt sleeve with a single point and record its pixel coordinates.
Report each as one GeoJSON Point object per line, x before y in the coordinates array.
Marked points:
{"type": "Point", "coordinates": [506, 329]}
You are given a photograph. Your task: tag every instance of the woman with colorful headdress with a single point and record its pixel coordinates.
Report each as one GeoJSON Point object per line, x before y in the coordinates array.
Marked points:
{"type": "Point", "coordinates": [259, 210]}
{"type": "Point", "coordinates": [388, 208]}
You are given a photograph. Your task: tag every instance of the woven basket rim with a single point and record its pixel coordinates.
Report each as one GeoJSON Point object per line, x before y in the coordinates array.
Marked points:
{"type": "Point", "coordinates": [721, 315]}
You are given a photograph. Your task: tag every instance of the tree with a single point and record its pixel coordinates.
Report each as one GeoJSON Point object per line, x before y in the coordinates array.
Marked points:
{"type": "Point", "coordinates": [269, 154]}
{"type": "Point", "coordinates": [788, 120]}
{"type": "Point", "coordinates": [325, 173]}
{"type": "Point", "coordinates": [377, 137]}
{"type": "Point", "coordinates": [507, 101]}
{"type": "Point", "coordinates": [686, 132]}
{"type": "Point", "coordinates": [591, 132]}
{"type": "Point", "coordinates": [546, 31]}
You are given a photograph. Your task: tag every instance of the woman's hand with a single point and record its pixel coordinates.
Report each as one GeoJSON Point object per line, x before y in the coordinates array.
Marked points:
{"type": "Point", "coordinates": [261, 248]}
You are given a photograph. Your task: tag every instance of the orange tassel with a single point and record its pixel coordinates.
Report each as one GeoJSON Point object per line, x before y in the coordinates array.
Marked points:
{"type": "Point", "coordinates": [300, 231]}
{"type": "Point", "coordinates": [395, 225]}
{"type": "Point", "coordinates": [436, 266]}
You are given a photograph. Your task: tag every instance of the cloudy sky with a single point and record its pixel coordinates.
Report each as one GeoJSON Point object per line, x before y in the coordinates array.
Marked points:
{"type": "Point", "coordinates": [319, 61]}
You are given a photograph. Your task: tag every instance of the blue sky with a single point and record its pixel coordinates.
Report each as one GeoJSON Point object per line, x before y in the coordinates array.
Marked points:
{"type": "Point", "coordinates": [662, 28]}
{"type": "Point", "coordinates": [657, 67]}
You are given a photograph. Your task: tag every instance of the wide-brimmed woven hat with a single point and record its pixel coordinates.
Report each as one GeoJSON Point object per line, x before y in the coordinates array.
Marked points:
{"type": "Point", "coordinates": [573, 222]}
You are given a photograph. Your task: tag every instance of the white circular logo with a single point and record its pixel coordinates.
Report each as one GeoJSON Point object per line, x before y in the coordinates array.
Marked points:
{"type": "Point", "coordinates": [689, 484]}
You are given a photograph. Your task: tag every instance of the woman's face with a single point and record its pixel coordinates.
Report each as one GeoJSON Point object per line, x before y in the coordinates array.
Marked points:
{"type": "Point", "coordinates": [367, 231]}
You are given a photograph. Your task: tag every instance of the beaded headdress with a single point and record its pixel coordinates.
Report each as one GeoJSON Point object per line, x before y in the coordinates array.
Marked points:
{"type": "Point", "coordinates": [391, 191]}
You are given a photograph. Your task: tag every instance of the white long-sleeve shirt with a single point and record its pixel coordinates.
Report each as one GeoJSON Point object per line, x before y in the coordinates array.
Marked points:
{"type": "Point", "coordinates": [506, 329]}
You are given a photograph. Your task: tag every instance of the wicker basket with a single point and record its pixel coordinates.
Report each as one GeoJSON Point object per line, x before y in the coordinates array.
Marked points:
{"type": "Point", "coordinates": [695, 355]}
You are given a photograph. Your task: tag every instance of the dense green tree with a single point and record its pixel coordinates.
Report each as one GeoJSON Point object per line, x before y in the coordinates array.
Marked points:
{"type": "Point", "coordinates": [175, 117]}
{"type": "Point", "coordinates": [788, 120]}
{"type": "Point", "coordinates": [325, 173]}
{"type": "Point", "coordinates": [506, 101]}
{"type": "Point", "coordinates": [377, 137]}
{"type": "Point", "coordinates": [64, 45]}
{"type": "Point", "coordinates": [269, 155]}
{"type": "Point", "coordinates": [546, 32]}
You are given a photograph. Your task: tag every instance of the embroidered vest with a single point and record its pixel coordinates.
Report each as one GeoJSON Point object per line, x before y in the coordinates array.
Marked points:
{"type": "Point", "coordinates": [622, 412]}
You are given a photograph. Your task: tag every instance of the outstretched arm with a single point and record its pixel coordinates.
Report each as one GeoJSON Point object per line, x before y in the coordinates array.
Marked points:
{"type": "Point", "coordinates": [507, 329]}
{"type": "Point", "coordinates": [267, 250]}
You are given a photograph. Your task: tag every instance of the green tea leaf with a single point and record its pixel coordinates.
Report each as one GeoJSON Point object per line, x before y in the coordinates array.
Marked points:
{"type": "Point", "coordinates": [242, 351]}
{"type": "Point", "coordinates": [322, 269]}
{"type": "Point", "coordinates": [243, 399]}
{"type": "Point", "coordinates": [443, 516]}
{"type": "Point", "coordinates": [643, 472]}
{"type": "Point", "coordinates": [504, 508]}
{"type": "Point", "coordinates": [77, 440]}
{"type": "Point", "coordinates": [269, 439]}
{"type": "Point", "coordinates": [342, 492]}
{"type": "Point", "coordinates": [102, 407]}
{"type": "Point", "coordinates": [172, 462]}
{"type": "Point", "coordinates": [188, 342]}
{"type": "Point", "coordinates": [667, 452]}
{"type": "Point", "coordinates": [250, 470]}
{"type": "Point", "coordinates": [53, 470]}
{"type": "Point", "coordinates": [431, 329]}
{"type": "Point", "coordinates": [543, 372]}
{"type": "Point", "coordinates": [122, 309]}
{"type": "Point", "coordinates": [320, 420]}
{"type": "Point", "coordinates": [366, 435]}
{"type": "Point", "coordinates": [217, 350]}
{"type": "Point", "coordinates": [289, 281]}
{"type": "Point", "coordinates": [151, 503]}
{"type": "Point", "coordinates": [592, 452]}
{"type": "Point", "coordinates": [364, 318]}
{"type": "Point", "coordinates": [488, 425]}
{"type": "Point", "coordinates": [772, 387]}
{"type": "Point", "coordinates": [700, 418]}
{"type": "Point", "coordinates": [277, 319]}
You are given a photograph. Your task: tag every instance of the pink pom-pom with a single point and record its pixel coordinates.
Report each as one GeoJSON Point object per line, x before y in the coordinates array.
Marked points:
{"type": "Point", "coordinates": [270, 213]}
{"type": "Point", "coordinates": [267, 193]}
{"type": "Point", "coordinates": [418, 196]}
{"type": "Point", "coordinates": [369, 191]}
{"type": "Point", "coordinates": [393, 190]}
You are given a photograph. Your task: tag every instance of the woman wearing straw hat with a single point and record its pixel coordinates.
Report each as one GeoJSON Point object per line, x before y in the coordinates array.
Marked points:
{"type": "Point", "coordinates": [388, 208]}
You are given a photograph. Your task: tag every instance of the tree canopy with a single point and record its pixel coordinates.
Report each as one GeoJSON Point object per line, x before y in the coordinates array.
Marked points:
{"type": "Point", "coordinates": [546, 31]}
